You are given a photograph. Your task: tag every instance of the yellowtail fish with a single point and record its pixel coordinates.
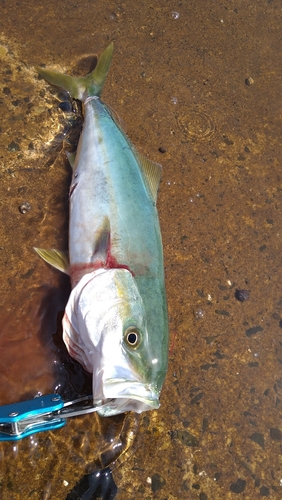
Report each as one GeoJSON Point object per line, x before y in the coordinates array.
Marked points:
{"type": "Point", "coordinates": [115, 322]}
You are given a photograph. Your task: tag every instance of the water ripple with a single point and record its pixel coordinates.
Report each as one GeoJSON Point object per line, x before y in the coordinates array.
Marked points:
{"type": "Point", "coordinates": [196, 124]}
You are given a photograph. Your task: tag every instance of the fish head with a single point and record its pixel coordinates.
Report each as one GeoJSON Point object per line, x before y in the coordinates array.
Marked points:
{"type": "Point", "coordinates": [105, 329]}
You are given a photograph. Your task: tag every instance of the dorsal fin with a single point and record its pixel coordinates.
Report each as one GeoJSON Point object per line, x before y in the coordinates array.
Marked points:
{"type": "Point", "coordinates": [55, 258]}
{"type": "Point", "coordinates": [152, 172]}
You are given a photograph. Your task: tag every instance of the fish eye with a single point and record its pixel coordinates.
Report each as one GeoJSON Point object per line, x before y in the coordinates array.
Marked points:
{"type": "Point", "coordinates": [132, 336]}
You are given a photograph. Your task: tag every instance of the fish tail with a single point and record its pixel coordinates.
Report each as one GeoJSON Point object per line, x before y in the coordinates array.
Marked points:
{"type": "Point", "coordinates": [81, 87]}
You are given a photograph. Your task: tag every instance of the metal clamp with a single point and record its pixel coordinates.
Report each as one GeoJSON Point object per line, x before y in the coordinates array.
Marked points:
{"type": "Point", "coordinates": [42, 413]}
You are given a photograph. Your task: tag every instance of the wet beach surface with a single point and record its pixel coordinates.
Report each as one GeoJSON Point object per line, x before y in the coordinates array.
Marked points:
{"type": "Point", "coordinates": [198, 86]}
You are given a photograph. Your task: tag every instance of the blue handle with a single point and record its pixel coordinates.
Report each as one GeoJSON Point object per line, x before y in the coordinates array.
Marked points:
{"type": "Point", "coordinates": [23, 419]}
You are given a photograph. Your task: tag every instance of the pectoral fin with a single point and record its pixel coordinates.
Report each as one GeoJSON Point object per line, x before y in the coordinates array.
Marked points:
{"type": "Point", "coordinates": [55, 258]}
{"type": "Point", "coordinates": [152, 172]}
{"type": "Point", "coordinates": [102, 243]}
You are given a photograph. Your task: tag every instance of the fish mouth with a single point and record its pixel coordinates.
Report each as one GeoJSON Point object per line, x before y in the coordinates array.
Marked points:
{"type": "Point", "coordinates": [126, 395]}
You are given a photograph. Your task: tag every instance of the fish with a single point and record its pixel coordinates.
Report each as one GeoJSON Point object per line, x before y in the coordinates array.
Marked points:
{"type": "Point", "coordinates": [116, 319]}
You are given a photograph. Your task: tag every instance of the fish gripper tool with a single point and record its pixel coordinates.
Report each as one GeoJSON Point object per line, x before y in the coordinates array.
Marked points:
{"type": "Point", "coordinates": [43, 413]}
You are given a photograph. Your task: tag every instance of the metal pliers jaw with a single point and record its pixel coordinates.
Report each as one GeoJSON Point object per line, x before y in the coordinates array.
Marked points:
{"type": "Point", "coordinates": [42, 413]}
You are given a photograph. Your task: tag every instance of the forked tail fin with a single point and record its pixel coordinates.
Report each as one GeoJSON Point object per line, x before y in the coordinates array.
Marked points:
{"type": "Point", "coordinates": [81, 87]}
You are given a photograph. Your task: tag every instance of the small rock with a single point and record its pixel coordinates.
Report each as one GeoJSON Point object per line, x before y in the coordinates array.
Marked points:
{"type": "Point", "coordinates": [13, 146]}
{"type": "Point", "coordinates": [253, 330]}
{"type": "Point", "coordinates": [158, 483]}
{"type": "Point", "coordinates": [218, 355]}
{"type": "Point", "coordinates": [175, 15]}
{"type": "Point", "coordinates": [187, 438]}
{"type": "Point", "coordinates": [197, 398]}
{"type": "Point", "coordinates": [242, 295]}
{"type": "Point", "coordinates": [24, 207]}
{"type": "Point", "coordinates": [264, 491]}
{"type": "Point", "coordinates": [239, 486]}
{"type": "Point", "coordinates": [199, 314]}
{"type": "Point", "coordinates": [66, 106]}
{"type": "Point", "coordinates": [275, 434]}
{"type": "Point", "coordinates": [249, 81]}
{"type": "Point", "coordinates": [258, 438]}
{"type": "Point", "coordinates": [222, 312]}
{"type": "Point", "coordinates": [205, 424]}
{"type": "Point", "coordinates": [207, 366]}
{"type": "Point", "coordinates": [203, 496]}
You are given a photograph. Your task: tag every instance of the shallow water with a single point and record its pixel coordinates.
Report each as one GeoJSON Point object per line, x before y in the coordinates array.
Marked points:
{"type": "Point", "coordinates": [202, 81]}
